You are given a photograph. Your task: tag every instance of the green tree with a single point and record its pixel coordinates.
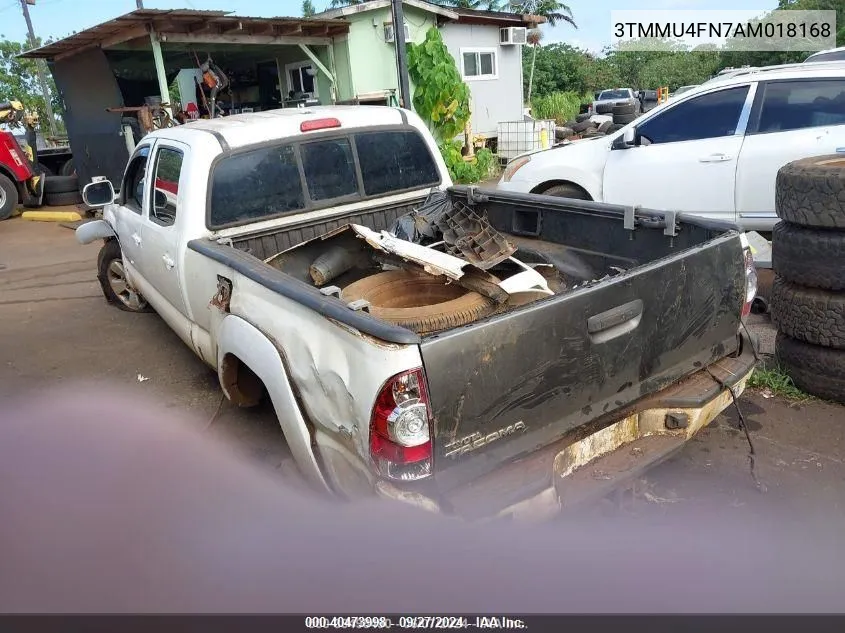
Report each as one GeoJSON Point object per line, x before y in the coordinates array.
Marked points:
{"type": "Point", "coordinates": [484, 5]}
{"type": "Point", "coordinates": [345, 3]}
{"type": "Point", "coordinates": [557, 68]}
{"type": "Point", "coordinates": [308, 8]}
{"type": "Point", "coordinates": [19, 81]}
{"type": "Point", "coordinates": [552, 10]}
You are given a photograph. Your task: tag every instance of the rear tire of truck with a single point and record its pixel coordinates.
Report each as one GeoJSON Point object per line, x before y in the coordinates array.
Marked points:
{"type": "Point", "coordinates": [8, 197]}
{"type": "Point", "coordinates": [809, 314]}
{"type": "Point", "coordinates": [623, 119]}
{"type": "Point", "coordinates": [814, 258]}
{"type": "Point", "coordinates": [418, 301]}
{"type": "Point", "coordinates": [811, 192]}
{"type": "Point", "coordinates": [62, 199]}
{"type": "Point", "coordinates": [818, 371]}
{"type": "Point", "coordinates": [61, 184]}
{"type": "Point", "coordinates": [624, 108]}
{"type": "Point", "coordinates": [112, 277]}
{"type": "Point", "coordinates": [566, 191]}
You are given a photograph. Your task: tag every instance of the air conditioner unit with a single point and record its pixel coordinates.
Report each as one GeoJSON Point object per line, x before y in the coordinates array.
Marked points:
{"type": "Point", "coordinates": [390, 36]}
{"type": "Point", "coordinates": [513, 35]}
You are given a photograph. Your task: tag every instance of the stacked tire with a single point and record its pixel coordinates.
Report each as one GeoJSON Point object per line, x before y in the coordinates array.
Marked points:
{"type": "Point", "coordinates": [808, 257]}
{"type": "Point", "coordinates": [61, 190]}
{"type": "Point", "coordinates": [624, 113]}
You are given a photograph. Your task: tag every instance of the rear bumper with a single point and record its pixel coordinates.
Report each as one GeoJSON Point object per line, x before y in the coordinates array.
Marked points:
{"type": "Point", "coordinates": [594, 465]}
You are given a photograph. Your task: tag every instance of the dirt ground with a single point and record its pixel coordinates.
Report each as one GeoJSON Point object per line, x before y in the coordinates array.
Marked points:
{"type": "Point", "coordinates": [57, 328]}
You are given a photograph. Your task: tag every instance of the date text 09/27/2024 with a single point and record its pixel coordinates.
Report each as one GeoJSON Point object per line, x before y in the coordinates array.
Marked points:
{"type": "Point", "coordinates": [413, 622]}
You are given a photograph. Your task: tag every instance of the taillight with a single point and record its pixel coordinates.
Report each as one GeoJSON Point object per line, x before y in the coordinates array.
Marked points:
{"type": "Point", "coordinates": [400, 428]}
{"type": "Point", "coordinates": [318, 124]}
{"type": "Point", "coordinates": [750, 275]}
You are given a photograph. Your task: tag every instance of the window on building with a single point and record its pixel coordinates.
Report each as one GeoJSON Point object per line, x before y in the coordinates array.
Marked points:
{"type": "Point", "coordinates": [479, 63]}
{"type": "Point", "coordinates": [302, 77]}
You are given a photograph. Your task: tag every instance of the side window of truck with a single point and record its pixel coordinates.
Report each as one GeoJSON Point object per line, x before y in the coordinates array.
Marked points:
{"type": "Point", "coordinates": [802, 103]}
{"type": "Point", "coordinates": [711, 115]}
{"type": "Point", "coordinates": [168, 169]}
{"type": "Point", "coordinates": [132, 188]}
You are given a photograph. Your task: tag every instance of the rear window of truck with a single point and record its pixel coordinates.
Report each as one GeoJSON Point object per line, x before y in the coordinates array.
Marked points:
{"type": "Point", "coordinates": [269, 181]}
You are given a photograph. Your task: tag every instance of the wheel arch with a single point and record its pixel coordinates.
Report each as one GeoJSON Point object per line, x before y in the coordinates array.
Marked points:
{"type": "Point", "coordinates": [545, 186]}
{"type": "Point", "coordinates": [245, 353]}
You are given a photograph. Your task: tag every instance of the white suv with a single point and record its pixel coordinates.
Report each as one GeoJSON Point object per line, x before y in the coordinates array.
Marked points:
{"type": "Point", "coordinates": [712, 151]}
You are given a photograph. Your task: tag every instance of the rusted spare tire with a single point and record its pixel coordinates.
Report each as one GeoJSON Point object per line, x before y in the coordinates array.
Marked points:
{"type": "Point", "coordinates": [418, 301]}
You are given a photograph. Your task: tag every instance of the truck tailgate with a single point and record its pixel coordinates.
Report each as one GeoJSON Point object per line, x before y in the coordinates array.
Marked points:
{"type": "Point", "coordinates": [504, 387]}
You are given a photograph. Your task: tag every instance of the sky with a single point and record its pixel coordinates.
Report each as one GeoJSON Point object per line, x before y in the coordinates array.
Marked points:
{"type": "Point", "coordinates": [58, 18]}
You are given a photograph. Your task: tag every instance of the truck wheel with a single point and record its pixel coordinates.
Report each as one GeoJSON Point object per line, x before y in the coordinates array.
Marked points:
{"type": "Point", "coordinates": [61, 184]}
{"type": "Point", "coordinates": [811, 191]}
{"type": "Point", "coordinates": [420, 302]}
{"type": "Point", "coordinates": [810, 257]}
{"type": "Point", "coordinates": [67, 168]}
{"type": "Point", "coordinates": [112, 277]}
{"type": "Point", "coordinates": [62, 199]}
{"type": "Point", "coordinates": [808, 314]}
{"type": "Point", "coordinates": [566, 191]}
{"type": "Point", "coordinates": [623, 119]}
{"type": "Point", "coordinates": [819, 371]}
{"type": "Point", "coordinates": [584, 116]}
{"type": "Point", "coordinates": [624, 108]}
{"type": "Point", "coordinates": [8, 197]}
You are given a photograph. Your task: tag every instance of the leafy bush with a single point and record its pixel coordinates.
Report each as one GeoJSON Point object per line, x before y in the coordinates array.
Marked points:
{"type": "Point", "coordinates": [467, 171]}
{"type": "Point", "coordinates": [560, 106]}
{"type": "Point", "coordinates": [440, 96]}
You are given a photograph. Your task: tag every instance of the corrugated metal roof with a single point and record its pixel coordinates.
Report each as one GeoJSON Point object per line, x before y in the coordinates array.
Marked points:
{"type": "Point", "coordinates": [188, 22]}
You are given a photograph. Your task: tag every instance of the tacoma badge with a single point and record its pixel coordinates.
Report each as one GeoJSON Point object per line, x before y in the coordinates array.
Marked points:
{"type": "Point", "coordinates": [477, 440]}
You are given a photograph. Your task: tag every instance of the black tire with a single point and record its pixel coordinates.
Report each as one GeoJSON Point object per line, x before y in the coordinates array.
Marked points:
{"type": "Point", "coordinates": [563, 132]}
{"type": "Point", "coordinates": [62, 199]}
{"type": "Point", "coordinates": [624, 108]}
{"type": "Point", "coordinates": [569, 123]}
{"type": "Point", "coordinates": [604, 127]}
{"type": "Point", "coordinates": [592, 134]}
{"type": "Point", "coordinates": [582, 126]}
{"type": "Point", "coordinates": [581, 117]}
{"type": "Point", "coordinates": [604, 108]}
{"type": "Point", "coordinates": [106, 274]}
{"type": "Point", "coordinates": [566, 191]}
{"type": "Point", "coordinates": [61, 184]}
{"type": "Point", "coordinates": [8, 197]}
{"type": "Point", "coordinates": [613, 127]}
{"type": "Point", "coordinates": [623, 119]}
{"type": "Point", "coordinates": [41, 168]}
{"type": "Point", "coordinates": [819, 371]}
{"type": "Point", "coordinates": [68, 168]}
{"type": "Point", "coordinates": [809, 314]}
{"type": "Point", "coordinates": [810, 257]}
{"type": "Point", "coordinates": [811, 192]}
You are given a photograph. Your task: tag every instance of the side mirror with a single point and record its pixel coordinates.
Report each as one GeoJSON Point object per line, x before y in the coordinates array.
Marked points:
{"type": "Point", "coordinates": [626, 140]}
{"type": "Point", "coordinates": [98, 193]}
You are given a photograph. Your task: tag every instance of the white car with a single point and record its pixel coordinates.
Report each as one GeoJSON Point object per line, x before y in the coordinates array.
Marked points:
{"type": "Point", "coordinates": [713, 151]}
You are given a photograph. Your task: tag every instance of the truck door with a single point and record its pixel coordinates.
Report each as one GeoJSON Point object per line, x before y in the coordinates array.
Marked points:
{"type": "Point", "coordinates": [160, 265]}
{"type": "Point", "coordinates": [129, 210]}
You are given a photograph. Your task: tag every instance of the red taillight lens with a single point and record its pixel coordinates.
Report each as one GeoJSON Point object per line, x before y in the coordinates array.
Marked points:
{"type": "Point", "coordinates": [318, 124]}
{"type": "Point", "coordinates": [400, 428]}
{"type": "Point", "coordinates": [750, 281]}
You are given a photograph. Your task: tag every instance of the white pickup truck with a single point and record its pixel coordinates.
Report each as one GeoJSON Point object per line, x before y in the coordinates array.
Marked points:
{"type": "Point", "coordinates": [491, 407]}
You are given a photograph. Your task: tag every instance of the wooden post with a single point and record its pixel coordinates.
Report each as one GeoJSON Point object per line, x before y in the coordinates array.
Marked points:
{"type": "Point", "coordinates": [161, 75]}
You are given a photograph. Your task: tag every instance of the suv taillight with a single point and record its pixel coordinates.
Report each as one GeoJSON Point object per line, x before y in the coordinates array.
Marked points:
{"type": "Point", "coordinates": [750, 276]}
{"type": "Point", "coordinates": [400, 428]}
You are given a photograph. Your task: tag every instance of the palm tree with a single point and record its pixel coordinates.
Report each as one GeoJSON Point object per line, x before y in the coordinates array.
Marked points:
{"type": "Point", "coordinates": [534, 37]}
{"type": "Point", "coordinates": [552, 10]}
{"type": "Point", "coordinates": [344, 3]}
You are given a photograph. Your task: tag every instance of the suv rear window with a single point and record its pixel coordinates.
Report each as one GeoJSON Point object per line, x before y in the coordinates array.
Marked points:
{"type": "Point", "coordinates": [267, 182]}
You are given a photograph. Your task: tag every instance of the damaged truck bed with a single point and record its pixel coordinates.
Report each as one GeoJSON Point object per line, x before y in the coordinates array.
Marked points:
{"type": "Point", "coordinates": [471, 352]}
